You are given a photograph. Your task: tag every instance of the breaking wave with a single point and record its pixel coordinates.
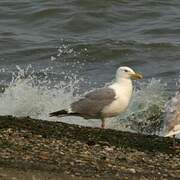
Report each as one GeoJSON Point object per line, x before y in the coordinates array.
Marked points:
{"type": "Point", "coordinates": [35, 95]}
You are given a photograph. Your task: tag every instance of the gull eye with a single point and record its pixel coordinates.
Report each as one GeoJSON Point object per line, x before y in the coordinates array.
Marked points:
{"type": "Point", "coordinates": [125, 70]}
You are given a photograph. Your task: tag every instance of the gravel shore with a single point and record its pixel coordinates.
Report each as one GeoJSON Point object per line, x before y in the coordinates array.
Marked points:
{"type": "Point", "coordinates": [77, 151]}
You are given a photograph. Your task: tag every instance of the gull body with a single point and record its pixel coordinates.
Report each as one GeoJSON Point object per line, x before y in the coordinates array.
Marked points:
{"type": "Point", "coordinates": [123, 91]}
{"type": "Point", "coordinates": [104, 102]}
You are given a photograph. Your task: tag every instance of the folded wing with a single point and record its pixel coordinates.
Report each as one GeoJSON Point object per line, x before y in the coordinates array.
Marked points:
{"type": "Point", "coordinates": [92, 104]}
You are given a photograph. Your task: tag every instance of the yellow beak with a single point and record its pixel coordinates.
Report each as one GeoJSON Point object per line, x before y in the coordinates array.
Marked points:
{"type": "Point", "coordinates": [136, 76]}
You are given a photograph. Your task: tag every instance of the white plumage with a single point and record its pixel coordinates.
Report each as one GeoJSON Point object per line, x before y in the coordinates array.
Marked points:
{"type": "Point", "coordinates": [105, 102]}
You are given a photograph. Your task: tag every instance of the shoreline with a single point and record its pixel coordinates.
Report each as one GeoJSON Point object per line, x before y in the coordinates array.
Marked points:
{"type": "Point", "coordinates": [56, 147]}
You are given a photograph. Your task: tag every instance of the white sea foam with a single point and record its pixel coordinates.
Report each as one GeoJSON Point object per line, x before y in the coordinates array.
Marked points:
{"type": "Point", "coordinates": [36, 96]}
{"type": "Point", "coordinates": [146, 105]}
{"type": "Point", "coordinates": [171, 120]}
{"type": "Point", "coordinates": [29, 95]}
{"type": "Point", "coordinates": [26, 95]}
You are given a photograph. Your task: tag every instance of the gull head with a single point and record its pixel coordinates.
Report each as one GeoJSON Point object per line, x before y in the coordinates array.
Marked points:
{"type": "Point", "coordinates": [125, 72]}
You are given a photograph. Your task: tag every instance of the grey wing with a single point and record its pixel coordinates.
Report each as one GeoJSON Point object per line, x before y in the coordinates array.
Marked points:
{"type": "Point", "coordinates": [102, 93]}
{"type": "Point", "coordinates": [92, 104]}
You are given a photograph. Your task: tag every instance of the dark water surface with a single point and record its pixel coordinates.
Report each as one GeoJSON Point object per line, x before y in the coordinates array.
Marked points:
{"type": "Point", "coordinates": [105, 34]}
{"type": "Point", "coordinates": [86, 41]}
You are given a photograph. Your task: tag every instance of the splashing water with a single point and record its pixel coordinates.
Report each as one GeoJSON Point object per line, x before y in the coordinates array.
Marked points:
{"type": "Point", "coordinates": [29, 95]}
{"type": "Point", "coordinates": [35, 94]}
{"type": "Point", "coordinates": [64, 50]}
{"type": "Point", "coordinates": [172, 120]}
{"type": "Point", "coordinates": [145, 111]}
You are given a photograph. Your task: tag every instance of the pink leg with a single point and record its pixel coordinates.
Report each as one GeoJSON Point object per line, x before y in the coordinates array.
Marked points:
{"type": "Point", "coordinates": [174, 143]}
{"type": "Point", "coordinates": [102, 123]}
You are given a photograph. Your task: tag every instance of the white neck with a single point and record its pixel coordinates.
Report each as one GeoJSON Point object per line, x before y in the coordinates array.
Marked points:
{"type": "Point", "coordinates": [123, 87]}
{"type": "Point", "coordinates": [121, 80]}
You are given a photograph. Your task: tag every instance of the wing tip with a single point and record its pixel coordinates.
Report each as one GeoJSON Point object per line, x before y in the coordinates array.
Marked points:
{"type": "Point", "coordinates": [58, 113]}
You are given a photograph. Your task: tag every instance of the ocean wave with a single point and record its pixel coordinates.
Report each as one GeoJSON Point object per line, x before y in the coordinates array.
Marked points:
{"type": "Point", "coordinates": [29, 95]}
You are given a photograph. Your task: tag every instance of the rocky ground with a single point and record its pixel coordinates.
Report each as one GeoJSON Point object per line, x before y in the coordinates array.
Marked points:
{"type": "Point", "coordinates": [77, 151]}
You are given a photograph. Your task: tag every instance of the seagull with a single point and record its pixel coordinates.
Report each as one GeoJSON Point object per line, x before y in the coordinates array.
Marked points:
{"type": "Point", "coordinates": [105, 102]}
{"type": "Point", "coordinates": [172, 118]}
